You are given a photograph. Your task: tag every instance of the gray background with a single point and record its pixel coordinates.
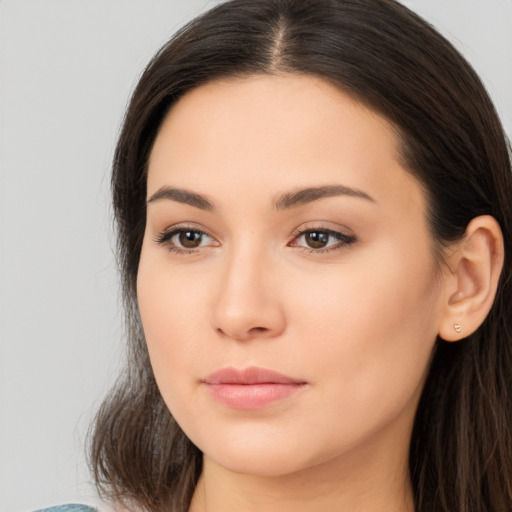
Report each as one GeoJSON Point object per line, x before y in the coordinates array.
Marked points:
{"type": "Point", "coordinates": [66, 71]}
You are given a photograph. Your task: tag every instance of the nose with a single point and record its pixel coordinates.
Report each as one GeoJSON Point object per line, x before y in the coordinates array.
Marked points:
{"type": "Point", "coordinates": [247, 304]}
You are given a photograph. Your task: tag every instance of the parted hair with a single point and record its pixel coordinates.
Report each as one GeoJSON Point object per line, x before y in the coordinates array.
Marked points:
{"type": "Point", "coordinates": [451, 141]}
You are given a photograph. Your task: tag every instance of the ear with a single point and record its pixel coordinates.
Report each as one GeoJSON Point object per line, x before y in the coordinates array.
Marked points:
{"type": "Point", "coordinates": [472, 279]}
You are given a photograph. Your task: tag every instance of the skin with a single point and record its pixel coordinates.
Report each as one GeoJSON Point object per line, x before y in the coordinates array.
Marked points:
{"type": "Point", "coordinates": [357, 323]}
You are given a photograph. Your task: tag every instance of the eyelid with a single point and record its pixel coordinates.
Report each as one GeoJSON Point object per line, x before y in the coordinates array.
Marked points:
{"type": "Point", "coordinates": [344, 239]}
{"type": "Point", "coordinates": [166, 235]}
{"type": "Point", "coordinates": [326, 226]}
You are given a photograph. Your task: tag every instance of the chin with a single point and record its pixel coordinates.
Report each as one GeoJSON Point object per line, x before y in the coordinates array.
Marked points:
{"type": "Point", "coordinates": [260, 451]}
{"type": "Point", "coordinates": [262, 463]}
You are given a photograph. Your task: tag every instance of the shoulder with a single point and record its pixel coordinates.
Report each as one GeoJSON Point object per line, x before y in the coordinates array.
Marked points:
{"type": "Point", "coordinates": [72, 507]}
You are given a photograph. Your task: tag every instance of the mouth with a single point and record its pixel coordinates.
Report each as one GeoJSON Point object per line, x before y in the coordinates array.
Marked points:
{"type": "Point", "coordinates": [251, 388]}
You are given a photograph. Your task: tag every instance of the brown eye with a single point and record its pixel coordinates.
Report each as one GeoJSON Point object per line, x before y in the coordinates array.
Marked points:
{"type": "Point", "coordinates": [321, 240]}
{"type": "Point", "coordinates": [185, 240]}
{"type": "Point", "coordinates": [190, 239]}
{"type": "Point", "coordinates": [316, 239]}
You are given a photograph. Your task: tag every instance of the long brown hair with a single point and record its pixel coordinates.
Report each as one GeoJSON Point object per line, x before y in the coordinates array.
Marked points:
{"type": "Point", "coordinates": [451, 141]}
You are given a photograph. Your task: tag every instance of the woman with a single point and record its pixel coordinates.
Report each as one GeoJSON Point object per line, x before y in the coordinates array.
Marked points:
{"type": "Point", "coordinates": [314, 233]}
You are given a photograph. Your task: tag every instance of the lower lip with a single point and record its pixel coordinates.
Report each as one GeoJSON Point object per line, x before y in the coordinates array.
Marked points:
{"type": "Point", "coordinates": [252, 396]}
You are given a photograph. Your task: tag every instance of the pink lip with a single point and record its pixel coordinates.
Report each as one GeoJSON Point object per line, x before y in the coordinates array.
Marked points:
{"type": "Point", "coordinates": [251, 388]}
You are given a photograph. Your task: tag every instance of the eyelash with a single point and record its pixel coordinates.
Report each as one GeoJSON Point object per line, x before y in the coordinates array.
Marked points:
{"type": "Point", "coordinates": [165, 239]}
{"type": "Point", "coordinates": [344, 240]}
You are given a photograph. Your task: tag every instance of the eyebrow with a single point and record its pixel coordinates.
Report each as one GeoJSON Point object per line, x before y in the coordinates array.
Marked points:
{"type": "Point", "coordinates": [182, 196]}
{"type": "Point", "coordinates": [308, 195]}
{"type": "Point", "coordinates": [284, 202]}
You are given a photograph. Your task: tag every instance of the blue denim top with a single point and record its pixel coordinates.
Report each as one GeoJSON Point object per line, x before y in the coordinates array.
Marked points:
{"type": "Point", "coordinates": [73, 507]}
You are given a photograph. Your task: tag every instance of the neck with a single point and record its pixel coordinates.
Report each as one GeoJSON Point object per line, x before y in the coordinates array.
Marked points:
{"type": "Point", "coordinates": [373, 478]}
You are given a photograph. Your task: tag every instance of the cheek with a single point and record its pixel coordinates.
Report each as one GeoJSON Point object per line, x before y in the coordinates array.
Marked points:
{"type": "Point", "coordinates": [168, 298]}
{"type": "Point", "coordinates": [168, 303]}
{"type": "Point", "coordinates": [369, 301]}
{"type": "Point", "coordinates": [370, 330]}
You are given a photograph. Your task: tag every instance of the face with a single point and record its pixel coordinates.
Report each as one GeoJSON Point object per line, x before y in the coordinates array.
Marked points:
{"type": "Point", "coordinates": [287, 285]}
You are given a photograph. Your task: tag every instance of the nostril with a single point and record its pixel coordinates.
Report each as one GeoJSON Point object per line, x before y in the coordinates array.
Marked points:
{"type": "Point", "coordinates": [258, 330]}
{"type": "Point", "coordinates": [244, 335]}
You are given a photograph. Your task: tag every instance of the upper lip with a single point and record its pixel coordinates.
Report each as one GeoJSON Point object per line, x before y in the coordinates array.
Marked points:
{"type": "Point", "coordinates": [248, 376]}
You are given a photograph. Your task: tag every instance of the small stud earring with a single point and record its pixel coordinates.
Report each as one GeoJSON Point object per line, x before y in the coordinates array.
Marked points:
{"type": "Point", "coordinates": [457, 327]}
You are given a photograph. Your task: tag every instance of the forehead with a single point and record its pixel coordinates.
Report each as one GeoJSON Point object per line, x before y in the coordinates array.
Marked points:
{"type": "Point", "coordinates": [285, 131]}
